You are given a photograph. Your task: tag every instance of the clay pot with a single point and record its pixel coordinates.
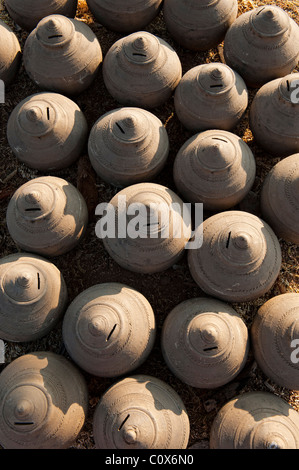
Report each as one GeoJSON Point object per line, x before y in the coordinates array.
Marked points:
{"type": "Point", "coordinates": [216, 168]}
{"type": "Point", "coordinates": [29, 12]}
{"type": "Point", "coordinates": [280, 199]}
{"type": "Point", "coordinates": [204, 342]}
{"type": "Point", "coordinates": [274, 116]}
{"type": "Point", "coordinates": [141, 412]}
{"type": "Point", "coordinates": [199, 26]}
{"type": "Point", "coordinates": [262, 44]}
{"type": "Point", "coordinates": [275, 327]}
{"type": "Point", "coordinates": [51, 56]}
{"type": "Point", "coordinates": [10, 54]}
{"type": "Point", "coordinates": [33, 297]}
{"type": "Point", "coordinates": [210, 96]}
{"type": "Point", "coordinates": [256, 420]}
{"type": "Point", "coordinates": [128, 146]}
{"type": "Point", "coordinates": [47, 215]}
{"type": "Point", "coordinates": [240, 257]}
{"type": "Point", "coordinates": [124, 17]}
{"type": "Point", "coordinates": [43, 402]}
{"type": "Point", "coordinates": [47, 131]}
{"type": "Point", "coordinates": [153, 232]}
{"type": "Point", "coordinates": [141, 70]}
{"type": "Point", "coordinates": [109, 329]}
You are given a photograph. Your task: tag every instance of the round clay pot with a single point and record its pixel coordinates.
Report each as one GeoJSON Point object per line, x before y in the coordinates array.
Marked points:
{"type": "Point", "coordinates": [28, 13]}
{"type": "Point", "coordinates": [10, 54]}
{"type": "Point", "coordinates": [124, 17]}
{"type": "Point", "coordinates": [199, 26]}
{"type": "Point", "coordinates": [204, 342]}
{"type": "Point", "coordinates": [216, 168]}
{"type": "Point", "coordinates": [274, 116]}
{"type": "Point", "coordinates": [274, 328]}
{"type": "Point", "coordinates": [141, 412]}
{"type": "Point", "coordinates": [62, 55]}
{"type": "Point", "coordinates": [33, 297]}
{"type": "Point", "coordinates": [210, 96]}
{"type": "Point", "coordinates": [109, 329]}
{"type": "Point", "coordinates": [280, 199]}
{"type": "Point", "coordinates": [47, 215]}
{"type": "Point", "coordinates": [262, 44]}
{"type": "Point", "coordinates": [150, 228]}
{"type": "Point", "coordinates": [128, 146]}
{"type": "Point", "coordinates": [256, 420]}
{"type": "Point", "coordinates": [43, 402]}
{"type": "Point", "coordinates": [240, 257]}
{"type": "Point", "coordinates": [141, 70]}
{"type": "Point", "coordinates": [47, 131]}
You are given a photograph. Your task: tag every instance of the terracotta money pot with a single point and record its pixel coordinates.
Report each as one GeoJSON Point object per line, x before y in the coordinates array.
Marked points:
{"type": "Point", "coordinates": [33, 297]}
{"type": "Point", "coordinates": [51, 56]}
{"type": "Point", "coordinates": [256, 420]}
{"type": "Point", "coordinates": [128, 146]}
{"type": "Point", "coordinates": [262, 44]}
{"type": "Point", "coordinates": [154, 233]}
{"type": "Point", "coordinates": [141, 412]}
{"type": "Point", "coordinates": [28, 13]}
{"type": "Point", "coordinates": [125, 17]}
{"type": "Point", "coordinates": [274, 116]}
{"type": "Point", "coordinates": [43, 402]}
{"type": "Point", "coordinates": [10, 54]}
{"type": "Point", "coordinates": [109, 329]}
{"type": "Point", "coordinates": [280, 199]}
{"type": "Point", "coordinates": [216, 168]}
{"type": "Point", "coordinates": [141, 70]}
{"type": "Point", "coordinates": [204, 342]}
{"type": "Point", "coordinates": [274, 328]}
{"type": "Point", "coordinates": [47, 215]}
{"type": "Point", "coordinates": [47, 131]}
{"type": "Point", "coordinates": [210, 96]}
{"type": "Point", "coordinates": [199, 26]}
{"type": "Point", "coordinates": [240, 257]}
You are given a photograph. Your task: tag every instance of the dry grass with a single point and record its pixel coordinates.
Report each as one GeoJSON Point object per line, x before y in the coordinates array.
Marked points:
{"type": "Point", "coordinates": [90, 262]}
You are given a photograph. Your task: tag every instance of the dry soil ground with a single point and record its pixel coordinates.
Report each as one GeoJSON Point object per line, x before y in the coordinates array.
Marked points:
{"type": "Point", "coordinates": [89, 263]}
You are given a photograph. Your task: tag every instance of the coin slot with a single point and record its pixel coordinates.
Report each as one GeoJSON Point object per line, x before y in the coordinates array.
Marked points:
{"type": "Point", "coordinates": [48, 114]}
{"type": "Point", "coordinates": [216, 86]}
{"type": "Point", "coordinates": [211, 349]}
{"type": "Point", "coordinates": [228, 239]}
{"type": "Point", "coordinates": [38, 281]}
{"type": "Point", "coordinates": [33, 209]}
{"type": "Point", "coordinates": [124, 421]}
{"type": "Point", "coordinates": [55, 36]}
{"type": "Point", "coordinates": [288, 85]}
{"type": "Point", "coordinates": [260, 11]}
{"type": "Point", "coordinates": [139, 54]}
{"type": "Point", "coordinates": [120, 128]}
{"type": "Point", "coordinates": [111, 332]}
{"type": "Point", "coordinates": [23, 423]}
{"type": "Point", "coordinates": [218, 138]}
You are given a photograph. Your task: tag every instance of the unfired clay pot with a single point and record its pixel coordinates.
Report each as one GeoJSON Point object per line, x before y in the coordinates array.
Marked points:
{"type": "Point", "coordinates": [150, 230]}
{"type": "Point", "coordinates": [141, 70]}
{"type": "Point", "coordinates": [125, 17]}
{"type": "Point", "coordinates": [10, 54]}
{"type": "Point", "coordinates": [262, 44]}
{"type": "Point", "coordinates": [280, 199]}
{"type": "Point", "coordinates": [141, 412]}
{"type": "Point", "coordinates": [128, 146]}
{"type": "Point", "coordinates": [274, 116]}
{"type": "Point", "coordinates": [240, 257]}
{"type": "Point", "coordinates": [274, 328]}
{"type": "Point", "coordinates": [28, 13]}
{"type": "Point", "coordinates": [210, 96]}
{"type": "Point", "coordinates": [47, 131]}
{"type": "Point", "coordinates": [47, 215]}
{"type": "Point", "coordinates": [43, 402]}
{"type": "Point", "coordinates": [216, 168]}
{"type": "Point", "coordinates": [199, 26]}
{"type": "Point", "coordinates": [256, 420]}
{"type": "Point", "coordinates": [33, 297]}
{"type": "Point", "coordinates": [204, 342]}
{"type": "Point", "coordinates": [109, 329]}
{"type": "Point", "coordinates": [62, 55]}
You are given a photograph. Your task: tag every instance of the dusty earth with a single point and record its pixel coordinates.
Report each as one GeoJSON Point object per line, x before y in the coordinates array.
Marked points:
{"type": "Point", "coordinates": [89, 263]}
